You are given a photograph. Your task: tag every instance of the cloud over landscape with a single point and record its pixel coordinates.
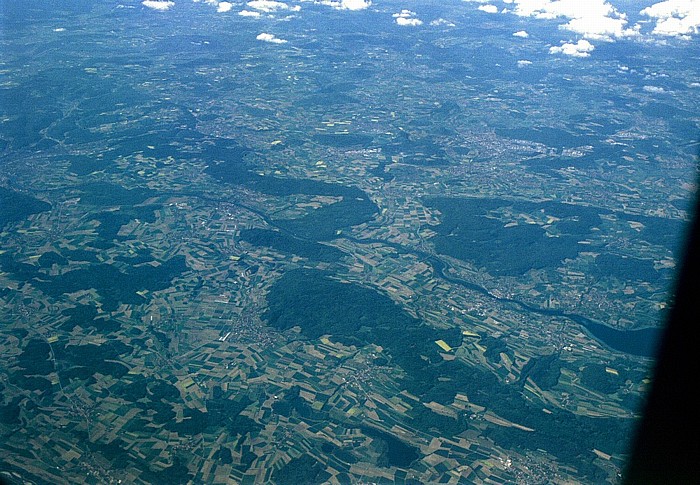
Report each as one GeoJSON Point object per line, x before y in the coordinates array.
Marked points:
{"type": "Point", "coordinates": [441, 21]}
{"type": "Point", "coordinates": [224, 7]}
{"type": "Point", "coordinates": [582, 48]}
{"type": "Point", "coordinates": [271, 38]}
{"type": "Point", "coordinates": [602, 20]}
{"type": "Point", "coordinates": [593, 19]}
{"type": "Point", "coordinates": [679, 18]}
{"type": "Point", "coordinates": [346, 4]}
{"type": "Point", "coordinates": [407, 18]}
{"type": "Point", "coordinates": [587, 22]}
{"type": "Point", "coordinates": [488, 8]}
{"type": "Point", "coordinates": [269, 6]}
{"type": "Point", "coordinates": [161, 5]}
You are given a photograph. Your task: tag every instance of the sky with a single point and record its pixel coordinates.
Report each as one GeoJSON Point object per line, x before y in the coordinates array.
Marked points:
{"type": "Point", "coordinates": [588, 23]}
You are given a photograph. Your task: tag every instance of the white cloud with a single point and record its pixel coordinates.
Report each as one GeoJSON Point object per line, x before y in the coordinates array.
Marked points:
{"type": "Point", "coordinates": [345, 4]}
{"type": "Point", "coordinates": [488, 8]}
{"type": "Point", "coordinates": [521, 33]}
{"type": "Point", "coordinates": [601, 28]}
{"type": "Point", "coordinates": [654, 89]}
{"type": "Point", "coordinates": [410, 22]}
{"type": "Point", "coordinates": [248, 13]}
{"type": "Point", "coordinates": [407, 18]}
{"type": "Point", "coordinates": [269, 6]}
{"type": "Point", "coordinates": [441, 21]}
{"type": "Point", "coordinates": [221, 7]}
{"type": "Point", "coordinates": [551, 9]}
{"type": "Point", "coordinates": [593, 19]}
{"type": "Point", "coordinates": [524, 63]}
{"type": "Point", "coordinates": [354, 4]}
{"type": "Point", "coordinates": [676, 18]}
{"type": "Point", "coordinates": [582, 48]}
{"type": "Point", "coordinates": [270, 38]}
{"type": "Point", "coordinates": [161, 5]}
